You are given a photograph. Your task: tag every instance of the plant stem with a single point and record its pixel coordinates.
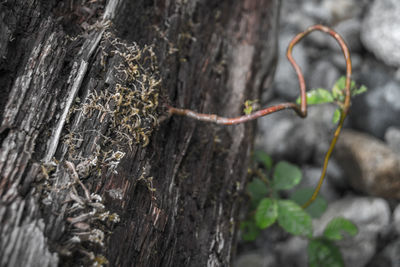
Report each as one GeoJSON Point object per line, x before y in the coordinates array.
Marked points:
{"type": "Point", "coordinates": [301, 109]}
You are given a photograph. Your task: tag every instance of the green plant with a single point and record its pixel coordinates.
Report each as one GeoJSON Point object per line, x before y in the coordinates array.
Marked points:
{"type": "Point", "coordinates": [340, 96]}
{"type": "Point", "coordinates": [267, 208]}
{"type": "Point", "coordinates": [336, 95]}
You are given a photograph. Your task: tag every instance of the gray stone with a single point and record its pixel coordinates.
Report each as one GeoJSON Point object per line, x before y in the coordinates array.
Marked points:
{"type": "Point", "coordinates": [350, 30]}
{"type": "Point", "coordinates": [392, 138]}
{"type": "Point", "coordinates": [338, 60]}
{"type": "Point", "coordinates": [317, 11]}
{"type": "Point", "coordinates": [396, 219]}
{"type": "Point", "coordinates": [284, 135]}
{"type": "Point", "coordinates": [297, 21]}
{"type": "Point", "coordinates": [374, 73]}
{"type": "Point", "coordinates": [286, 84]}
{"type": "Point", "coordinates": [311, 175]}
{"type": "Point", "coordinates": [340, 10]}
{"type": "Point", "coordinates": [293, 252]}
{"type": "Point", "coordinates": [370, 165]}
{"type": "Point", "coordinates": [324, 75]}
{"type": "Point", "coordinates": [256, 259]}
{"type": "Point", "coordinates": [336, 176]}
{"type": "Point", "coordinates": [371, 215]}
{"type": "Point", "coordinates": [392, 254]}
{"type": "Point", "coordinates": [380, 31]}
{"type": "Point", "coordinates": [378, 108]}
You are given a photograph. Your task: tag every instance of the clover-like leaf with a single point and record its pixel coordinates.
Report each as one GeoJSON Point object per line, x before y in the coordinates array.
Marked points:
{"type": "Point", "coordinates": [293, 219]}
{"type": "Point", "coordinates": [286, 176]}
{"type": "Point", "coordinates": [335, 228]}
{"type": "Point", "coordinates": [266, 213]}
{"type": "Point", "coordinates": [317, 96]}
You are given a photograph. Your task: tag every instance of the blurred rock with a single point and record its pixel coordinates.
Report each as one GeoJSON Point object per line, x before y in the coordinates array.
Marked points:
{"type": "Point", "coordinates": [286, 84]}
{"type": "Point", "coordinates": [298, 21]}
{"type": "Point", "coordinates": [374, 73]}
{"type": "Point", "coordinates": [256, 259]}
{"type": "Point", "coordinates": [310, 179]}
{"type": "Point", "coordinates": [391, 254]}
{"type": "Point", "coordinates": [369, 164]}
{"type": "Point", "coordinates": [380, 31]}
{"type": "Point", "coordinates": [392, 138]}
{"type": "Point", "coordinates": [371, 215]}
{"type": "Point", "coordinates": [378, 108]}
{"type": "Point", "coordinates": [324, 75]}
{"type": "Point", "coordinates": [343, 9]}
{"type": "Point", "coordinates": [293, 252]}
{"type": "Point", "coordinates": [336, 176]}
{"type": "Point", "coordinates": [396, 219]}
{"type": "Point", "coordinates": [350, 30]}
{"type": "Point", "coordinates": [319, 12]}
{"type": "Point", "coordinates": [339, 61]}
{"type": "Point", "coordinates": [284, 135]}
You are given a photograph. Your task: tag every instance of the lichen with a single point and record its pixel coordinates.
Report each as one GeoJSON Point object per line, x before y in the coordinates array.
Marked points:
{"type": "Point", "coordinates": [136, 93]}
{"type": "Point", "coordinates": [124, 109]}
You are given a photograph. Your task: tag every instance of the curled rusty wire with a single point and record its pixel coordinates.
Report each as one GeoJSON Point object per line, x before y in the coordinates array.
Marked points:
{"type": "Point", "coordinates": [301, 109]}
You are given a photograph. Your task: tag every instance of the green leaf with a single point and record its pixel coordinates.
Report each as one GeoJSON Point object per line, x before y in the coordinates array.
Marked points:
{"type": "Point", "coordinates": [263, 158]}
{"type": "Point", "coordinates": [317, 96]}
{"type": "Point", "coordinates": [257, 190]}
{"type": "Point", "coordinates": [338, 89]}
{"type": "Point", "coordinates": [337, 226]}
{"type": "Point", "coordinates": [340, 85]}
{"type": "Point", "coordinates": [286, 176]}
{"type": "Point", "coordinates": [248, 110]}
{"type": "Point", "coordinates": [358, 91]}
{"type": "Point", "coordinates": [249, 230]}
{"type": "Point", "coordinates": [249, 106]}
{"type": "Point", "coordinates": [336, 116]}
{"type": "Point", "coordinates": [293, 219]}
{"type": "Point", "coordinates": [266, 213]}
{"type": "Point", "coordinates": [316, 208]}
{"type": "Point", "coordinates": [322, 252]}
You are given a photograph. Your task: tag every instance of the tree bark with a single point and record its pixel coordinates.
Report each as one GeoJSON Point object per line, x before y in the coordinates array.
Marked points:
{"type": "Point", "coordinates": [92, 168]}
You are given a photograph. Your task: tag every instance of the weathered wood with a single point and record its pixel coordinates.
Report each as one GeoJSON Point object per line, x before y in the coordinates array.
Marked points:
{"type": "Point", "coordinates": [91, 168]}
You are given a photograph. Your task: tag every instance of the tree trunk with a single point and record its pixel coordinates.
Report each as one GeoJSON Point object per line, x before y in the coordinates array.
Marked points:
{"type": "Point", "coordinates": [92, 168]}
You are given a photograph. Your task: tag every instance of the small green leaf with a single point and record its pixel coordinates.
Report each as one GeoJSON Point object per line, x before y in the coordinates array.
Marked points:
{"type": "Point", "coordinates": [250, 231]}
{"type": "Point", "coordinates": [293, 219]}
{"type": "Point", "coordinates": [358, 91]}
{"type": "Point", "coordinates": [286, 176]}
{"type": "Point", "coordinates": [316, 208]}
{"type": "Point", "coordinates": [248, 110]}
{"type": "Point", "coordinates": [317, 96]}
{"type": "Point", "coordinates": [263, 158]}
{"type": "Point", "coordinates": [249, 106]}
{"type": "Point", "coordinates": [266, 213]}
{"type": "Point", "coordinates": [337, 226]}
{"type": "Point", "coordinates": [322, 252]}
{"type": "Point", "coordinates": [336, 116]}
{"type": "Point", "coordinates": [257, 190]}
{"type": "Point", "coordinates": [338, 89]}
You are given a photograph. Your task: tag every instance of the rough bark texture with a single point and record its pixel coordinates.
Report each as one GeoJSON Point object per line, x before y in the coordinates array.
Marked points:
{"type": "Point", "coordinates": [80, 99]}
